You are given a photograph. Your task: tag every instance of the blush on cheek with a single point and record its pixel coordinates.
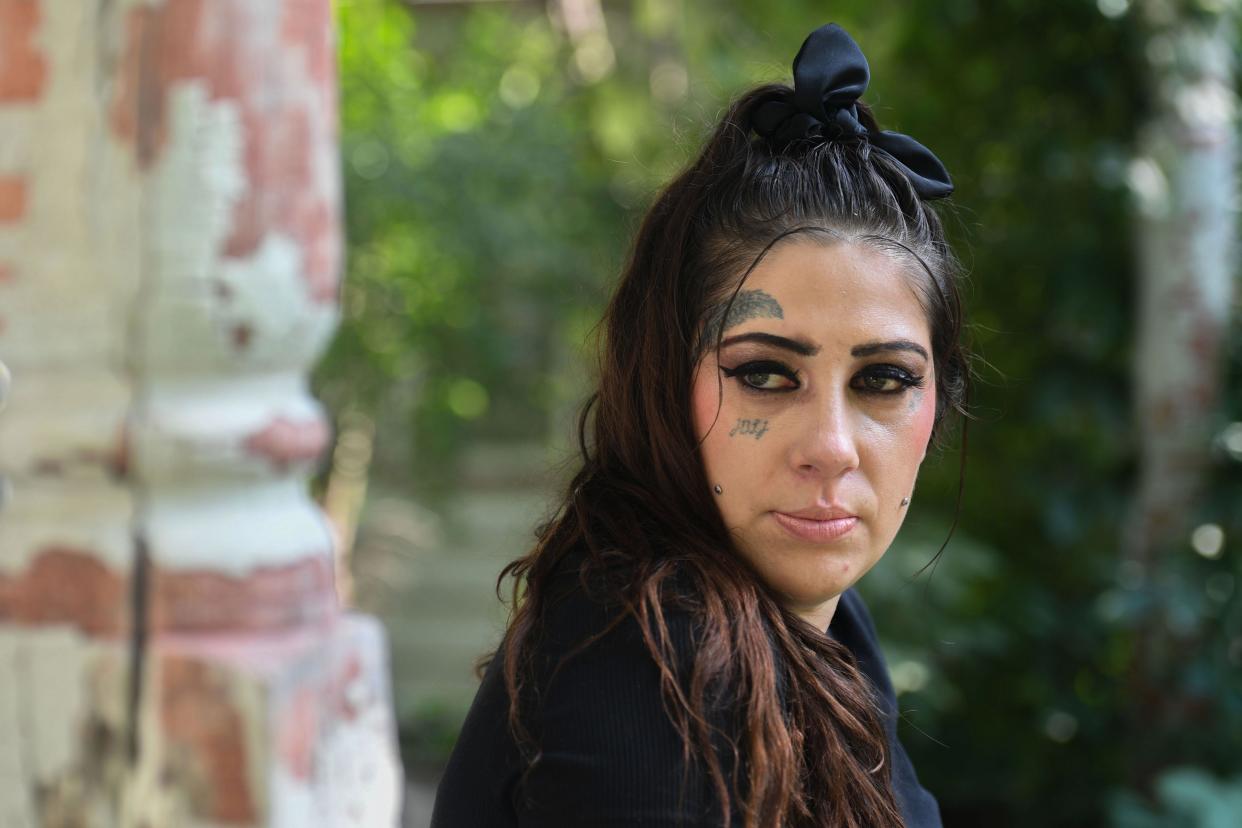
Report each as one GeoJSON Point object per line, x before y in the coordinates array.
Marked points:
{"type": "Point", "coordinates": [704, 399]}
{"type": "Point", "coordinates": [924, 418]}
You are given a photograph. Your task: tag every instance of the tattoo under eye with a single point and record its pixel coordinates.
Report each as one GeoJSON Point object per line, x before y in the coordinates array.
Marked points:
{"type": "Point", "coordinates": [758, 428]}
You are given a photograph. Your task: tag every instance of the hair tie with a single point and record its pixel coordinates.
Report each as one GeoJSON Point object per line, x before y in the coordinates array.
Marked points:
{"type": "Point", "coordinates": [830, 74]}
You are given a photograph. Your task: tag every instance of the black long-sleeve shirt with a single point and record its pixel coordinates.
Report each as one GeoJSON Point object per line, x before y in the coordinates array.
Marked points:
{"type": "Point", "coordinates": [611, 756]}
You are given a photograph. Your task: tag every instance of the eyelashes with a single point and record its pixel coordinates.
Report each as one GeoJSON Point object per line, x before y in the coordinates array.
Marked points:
{"type": "Point", "coordinates": [890, 378]}
{"type": "Point", "coordinates": [758, 377]}
{"type": "Point", "coordinates": [769, 377]}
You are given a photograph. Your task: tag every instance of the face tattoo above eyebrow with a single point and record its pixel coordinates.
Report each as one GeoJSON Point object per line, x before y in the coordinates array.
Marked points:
{"type": "Point", "coordinates": [749, 304]}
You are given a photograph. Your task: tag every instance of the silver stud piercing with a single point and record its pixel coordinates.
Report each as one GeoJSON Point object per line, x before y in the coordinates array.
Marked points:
{"type": "Point", "coordinates": [717, 489]}
{"type": "Point", "coordinates": [905, 501]}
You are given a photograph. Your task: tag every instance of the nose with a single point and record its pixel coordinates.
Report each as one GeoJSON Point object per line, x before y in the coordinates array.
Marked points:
{"type": "Point", "coordinates": [828, 444]}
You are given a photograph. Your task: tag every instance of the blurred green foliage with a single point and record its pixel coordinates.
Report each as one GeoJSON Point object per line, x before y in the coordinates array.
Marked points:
{"type": "Point", "coordinates": [1187, 798]}
{"type": "Point", "coordinates": [495, 168]}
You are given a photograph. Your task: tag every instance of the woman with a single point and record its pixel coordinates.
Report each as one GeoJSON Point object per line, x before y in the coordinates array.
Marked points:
{"type": "Point", "coordinates": [783, 347]}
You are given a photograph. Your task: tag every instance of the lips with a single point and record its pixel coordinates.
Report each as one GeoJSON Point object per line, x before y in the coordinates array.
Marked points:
{"type": "Point", "coordinates": [821, 513]}
{"type": "Point", "coordinates": [817, 525]}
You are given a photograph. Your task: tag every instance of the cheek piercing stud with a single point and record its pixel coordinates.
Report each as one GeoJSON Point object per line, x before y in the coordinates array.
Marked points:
{"type": "Point", "coordinates": [905, 501]}
{"type": "Point", "coordinates": [717, 489]}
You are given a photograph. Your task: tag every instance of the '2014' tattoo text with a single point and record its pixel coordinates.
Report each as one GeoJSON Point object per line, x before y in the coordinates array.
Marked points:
{"type": "Point", "coordinates": [757, 428]}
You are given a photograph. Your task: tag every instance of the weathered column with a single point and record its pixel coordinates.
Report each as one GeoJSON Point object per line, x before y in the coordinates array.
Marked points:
{"type": "Point", "coordinates": [171, 649]}
{"type": "Point", "coordinates": [1185, 183]}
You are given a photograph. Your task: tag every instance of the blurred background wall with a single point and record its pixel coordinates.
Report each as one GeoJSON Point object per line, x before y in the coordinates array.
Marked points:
{"type": "Point", "coordinates": [1069, 650]}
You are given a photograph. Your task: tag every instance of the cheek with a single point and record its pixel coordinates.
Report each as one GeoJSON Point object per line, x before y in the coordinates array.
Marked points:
{"type": "Point", "coordinates": [924, 419]}
{"type": "Point", "coordinates": [705, 401]}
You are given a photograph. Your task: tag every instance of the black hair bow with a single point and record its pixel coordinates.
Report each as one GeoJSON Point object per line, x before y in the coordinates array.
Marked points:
{"type": "Point", "coordinates": [830, 74]}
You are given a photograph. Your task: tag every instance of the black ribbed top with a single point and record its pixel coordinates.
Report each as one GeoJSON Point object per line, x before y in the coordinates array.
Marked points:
{"type": "Point", "coordinates": [610, 754]}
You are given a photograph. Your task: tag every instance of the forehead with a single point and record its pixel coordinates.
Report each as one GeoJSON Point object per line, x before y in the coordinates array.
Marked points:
{"type": "Point", "coordinates": [831, 290]}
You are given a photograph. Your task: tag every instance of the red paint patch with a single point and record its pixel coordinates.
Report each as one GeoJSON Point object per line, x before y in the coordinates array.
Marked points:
{"type": "Point", "coordinates": [118, 462]}
{"type": "Point", "coordinates": [242, 334]}
{"type": "Point", "coordinates": [267, 598]}
{"type": "Point", "coordinates": [298, 732]}
{"type": "Point", "coordinates": [66, 586]}
{"type": "Point", "coordinates": [23, 70]}
{"type": "Point", "coordinates": [282, 79]}
{"type": "Point", "coordinates": [207, 739]}
{"type": "Point", "coordinates": [284, 441]}
{"type": "Point", "coordinates": [307, 25]}
{"type": "Point", "coordinates": [12, 197]}
{"type": "Point", "coordinates": [7, 273]}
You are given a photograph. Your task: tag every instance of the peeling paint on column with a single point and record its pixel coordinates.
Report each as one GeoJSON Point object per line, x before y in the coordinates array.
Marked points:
{"type": "Point", "coordinates": [60, 711]}
{"type": "Point", "coordinates": [169, 258]}
{"type": "Point", "coordinates": [198, 716]}
{"type": "Point", "coordinates": [267, 598]}
{"type": "Point", "coordinates": [65, 587]}
{"type": "Point", "coordinates": [228, 330]}
{"type": "Point", "coordinates": [353, 780]}
{"type": "Point", "coordinates": [23, 68]}
{"type": "Point", "coordinates": [12, 198]}
{"type": "Point", "coordinates": [289, 159]}
{"type": "Point", "coordinates": [312, 710]}
{"type": "Point", "coordinates": [284, 442]}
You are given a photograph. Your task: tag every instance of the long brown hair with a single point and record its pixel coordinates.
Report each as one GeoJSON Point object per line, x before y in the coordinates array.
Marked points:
{"type": "Point", "coordinates": [640, 504]}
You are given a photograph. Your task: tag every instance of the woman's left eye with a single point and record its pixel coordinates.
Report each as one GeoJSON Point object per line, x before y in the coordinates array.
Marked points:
{"type": "Point", "coordinates": [887, 379]}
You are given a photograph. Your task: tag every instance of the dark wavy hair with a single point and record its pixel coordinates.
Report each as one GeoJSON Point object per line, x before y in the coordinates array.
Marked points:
{"type": "Point", "coordinates": [641, 505]}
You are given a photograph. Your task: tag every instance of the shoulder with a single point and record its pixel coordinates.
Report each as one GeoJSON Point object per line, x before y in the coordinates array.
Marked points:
{"type": "Point", "coordinates": [606, 750]}
{"type": "Point", "coordinates": [609, 753]}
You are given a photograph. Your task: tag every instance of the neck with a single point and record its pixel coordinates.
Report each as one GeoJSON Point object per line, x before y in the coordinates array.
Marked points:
{"type": "Point", "coordinates": [819, 615]}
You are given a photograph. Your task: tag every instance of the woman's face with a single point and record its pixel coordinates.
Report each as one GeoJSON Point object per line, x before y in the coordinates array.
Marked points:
{"type": "Point", "coordinates": [816, 414]}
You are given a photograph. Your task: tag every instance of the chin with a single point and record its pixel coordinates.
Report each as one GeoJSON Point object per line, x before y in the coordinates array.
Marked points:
{"type": "Point", "coordinates": [810, 576]}
{"type": "Point", "coordinates": [807, 573]}
{"type": "Point", "coordinates": [810, 589]}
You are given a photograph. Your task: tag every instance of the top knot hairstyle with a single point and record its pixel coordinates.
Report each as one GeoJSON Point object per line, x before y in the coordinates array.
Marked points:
{"type": "Point", "coordinates": [812, 739]}
{"type": "Point", "coordinates": [830, 74]}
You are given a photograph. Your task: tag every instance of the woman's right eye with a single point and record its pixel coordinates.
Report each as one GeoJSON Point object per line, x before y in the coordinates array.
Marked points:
{"type": "Point", "coordinates": [764, 377]}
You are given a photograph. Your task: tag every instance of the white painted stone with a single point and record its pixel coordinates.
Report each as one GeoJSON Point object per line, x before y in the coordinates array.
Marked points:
{"type": "Point", "coordinates": [357, 779]}
{"type": "Point", "coordinates": [87, 514]}
{"type": "Point", "coordinates": [234, 528]}
{"type": "Point", "coordinates": [57, 663]}
{"type": "Point", "coordinates": [61, 146]}
{"type": "Point", "coordinates": [66, 417]}
{"type": "Point", "coordinates": [270, 295]}
{"type": "Point", "coordinates": [16, 792]}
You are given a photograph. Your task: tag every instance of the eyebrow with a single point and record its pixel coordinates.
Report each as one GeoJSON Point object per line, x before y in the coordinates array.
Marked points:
{"type": "Point", "coordinates": [796, 345]}
{"type": "Point", "coordinates": [803, 348]}
{"type": "Point", "coordinates": [869, 348]}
